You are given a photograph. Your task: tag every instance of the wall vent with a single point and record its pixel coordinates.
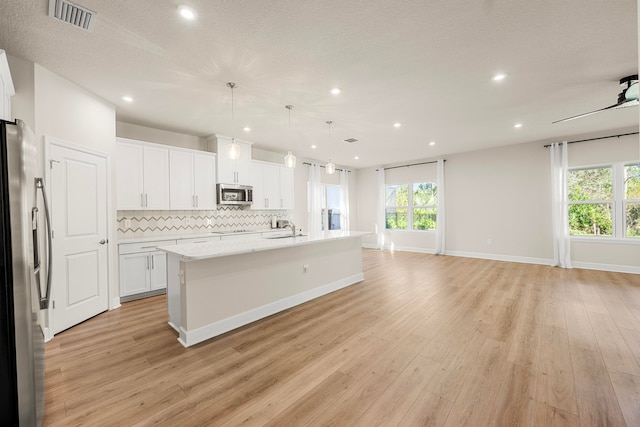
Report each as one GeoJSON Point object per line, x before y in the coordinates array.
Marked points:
{"type": "Point", "coordinates": [72, 14]}
{"type": "Point", "coordinates": [350, 140]}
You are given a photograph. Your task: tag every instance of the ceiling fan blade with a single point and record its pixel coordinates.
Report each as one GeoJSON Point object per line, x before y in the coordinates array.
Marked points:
{"type": "Point", "coordinates": [585, 114]}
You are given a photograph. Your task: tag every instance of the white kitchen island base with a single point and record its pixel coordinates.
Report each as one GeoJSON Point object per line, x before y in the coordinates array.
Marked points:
{"type": "Point", "coordinates": [210, 295]}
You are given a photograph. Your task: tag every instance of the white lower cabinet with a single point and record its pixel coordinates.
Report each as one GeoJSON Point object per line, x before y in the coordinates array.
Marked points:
{"type": "Point", "coordinates": [143, 269]}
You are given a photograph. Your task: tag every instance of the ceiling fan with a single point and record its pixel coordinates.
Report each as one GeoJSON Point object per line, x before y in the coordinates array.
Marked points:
{"type": "Point", "coordinates": [627, 98]}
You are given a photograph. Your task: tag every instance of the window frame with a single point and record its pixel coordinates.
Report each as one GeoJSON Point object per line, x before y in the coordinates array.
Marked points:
{"type": "Point", "coordinates": [410, 208]}
{"type": "Point", "coordinates": [618, 205]}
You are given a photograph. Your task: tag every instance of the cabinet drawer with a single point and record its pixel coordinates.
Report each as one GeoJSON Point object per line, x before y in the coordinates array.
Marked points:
{"type": "Point", "coordinates": [204, 239]}
{"type": "Point", "coordinates": [132, 248]}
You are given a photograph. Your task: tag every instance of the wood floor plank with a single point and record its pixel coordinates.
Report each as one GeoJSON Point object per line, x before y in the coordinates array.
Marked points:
{"type": "Point", "coordinates": [423, 340]}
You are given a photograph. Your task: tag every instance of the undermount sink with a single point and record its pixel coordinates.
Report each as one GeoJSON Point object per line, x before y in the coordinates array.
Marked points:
{"type": "Point", "coordinates": [283, 236]}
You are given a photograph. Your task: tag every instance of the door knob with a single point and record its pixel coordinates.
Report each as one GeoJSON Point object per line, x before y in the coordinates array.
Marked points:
{"type": "Point", "coordinates": [102, 242]}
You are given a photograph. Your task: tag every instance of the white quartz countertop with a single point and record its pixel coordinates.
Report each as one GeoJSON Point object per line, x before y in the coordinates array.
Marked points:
{"type": "Point", "coordinates": [179, 237]}
{"type": "Point", "coordinates": [199, 251]}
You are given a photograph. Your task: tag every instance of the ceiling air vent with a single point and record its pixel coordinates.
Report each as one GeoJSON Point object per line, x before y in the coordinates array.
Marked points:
{"type": "Point", "coordinates": [72, 14]}
{"type": "Point", "coordinates": [350, 140]}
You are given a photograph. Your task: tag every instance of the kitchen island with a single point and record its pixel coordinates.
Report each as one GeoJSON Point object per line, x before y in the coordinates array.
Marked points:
{"type": "Point", "coordinates": [218, 286]}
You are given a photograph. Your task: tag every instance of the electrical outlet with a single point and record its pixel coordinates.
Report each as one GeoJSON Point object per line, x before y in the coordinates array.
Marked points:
{"type": "Point", "coordinates": [127, 223]}
{"type": "Point", "coordinates": [189, 220]}
{"type": "Point", "coordinates": [489, 242]}
{"type": "Point", "coordinates": [305, 268]}
{"type": "Point", "coordinates": [175, 222]}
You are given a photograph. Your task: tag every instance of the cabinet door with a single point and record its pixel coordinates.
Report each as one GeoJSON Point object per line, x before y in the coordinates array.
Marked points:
{"type": "Point", "coordinates": [134, 274]}
{"type": "Point", "coordinates": [226, 167]}
{"type": "Point", "coordinates": [158, 270]}
{"type": "Point", "coordinates": [204, 181]}
{"type": "Point", "coordinates": [259, 201]}
{"type": "Point", "coordinates": [271, 180]}
{"type": "Point", "coordinates": [156, 178]}
{"type": "Point", "coordinates": [129, 177]}
{"type": "Point", "coordinates": [181, 195]}
{"type": "Point", "coordinates": [286, 188]}
{"type": "Point", "coordinates": [243, 165]}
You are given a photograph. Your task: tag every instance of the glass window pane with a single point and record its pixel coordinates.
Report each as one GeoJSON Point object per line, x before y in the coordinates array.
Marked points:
{"type": "Point", "coordinates": [396, 219]}
{"type": "Point", "coordinates": [424, 218]}
{"type": "Point", "coordinates": [590, 184]}
{"type": "Point", "coordinates": [397, 195]}
{"type": "Point", "coordinates": [632, 181]}
{"type": "Point", "coordinates": [633, 219]}
{"type": "Point", "coordinates": [425, 194]}
{"type": "Point", "coordinates": [591, 219]}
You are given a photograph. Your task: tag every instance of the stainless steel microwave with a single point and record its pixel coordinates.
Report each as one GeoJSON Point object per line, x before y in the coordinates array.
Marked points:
{"type": "Point", "coordinates": [231, 194]}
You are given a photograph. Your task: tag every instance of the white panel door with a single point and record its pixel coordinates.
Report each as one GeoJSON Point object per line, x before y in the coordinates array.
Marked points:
{"type": "Point", "coordinates": [158, 270]}
{"type": "Point", "coordinates": [134, 274]}
{"type": "Point", "coordinates": [243, 165]}
{"type": "Point", "coordinates": [79, 224]}
{"type": "Point", "coordinates": [204, 181]}
{"type": "Point", "coordinates": [156, 178]}
{"type": "Point", "coordinates": [286, 188]}
{"type": "Point", "coordinates": [129, 177]}
{"type": "Point", "coordinates": [226, 167]}
{"type": "Point", "coordinates": [181, 180]}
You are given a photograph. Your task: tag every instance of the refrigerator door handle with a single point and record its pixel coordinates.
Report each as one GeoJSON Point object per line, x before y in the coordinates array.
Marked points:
{"type": "Point", "coordinates": [44, 302]}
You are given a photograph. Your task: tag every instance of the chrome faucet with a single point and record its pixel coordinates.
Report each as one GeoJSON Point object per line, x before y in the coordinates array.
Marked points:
{"type": "Point", "coordinates": [293, 229]}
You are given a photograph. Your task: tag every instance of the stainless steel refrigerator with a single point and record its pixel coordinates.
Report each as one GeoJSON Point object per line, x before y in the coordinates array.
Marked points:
{"type": "Point", "coordinates": [25, 273]}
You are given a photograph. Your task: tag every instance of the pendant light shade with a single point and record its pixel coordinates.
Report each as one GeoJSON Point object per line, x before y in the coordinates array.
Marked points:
{"type": "Point", "coordinates": [234, 150]}
{"type": "Point", "coordinates": [289, 159]}
{"type": "Point", "coordinates": [330, 168]}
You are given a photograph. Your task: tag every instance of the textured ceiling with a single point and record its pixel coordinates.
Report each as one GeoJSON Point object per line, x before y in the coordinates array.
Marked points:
{"type": "Point", "coordinates": [427, 64]}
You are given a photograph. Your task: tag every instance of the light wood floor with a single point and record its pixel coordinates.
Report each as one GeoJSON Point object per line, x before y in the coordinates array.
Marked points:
{"type": "Point", "coordinates": [424, 340]}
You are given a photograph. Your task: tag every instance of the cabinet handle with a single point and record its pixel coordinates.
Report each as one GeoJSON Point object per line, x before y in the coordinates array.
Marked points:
{"type": "Point", "coordinates": [193, 201]}
{"type": "Point", "coordinates": [142, 200]}
{"type": "Point", "coordinates": [146, 201]}
{"type": "Point", "coordinates": [153, 263]}
{"type": "Point", "coordinates": [147, 258]}
{"type": "Point", "coordinates": [197, 203]}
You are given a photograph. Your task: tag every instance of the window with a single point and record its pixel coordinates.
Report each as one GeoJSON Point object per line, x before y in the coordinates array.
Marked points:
{"type": "Point", "coordinates": [331, 206]}
{"type": "Point", "coordinates": [605, 201]}
{"type": "Point", "coordinates": [411, 210]}
{"type": "Point", "coordinates": [632, 199]}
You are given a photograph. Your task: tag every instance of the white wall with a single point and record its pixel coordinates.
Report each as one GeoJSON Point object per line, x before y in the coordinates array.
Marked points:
{"type": "Point", "coordinates": [159, 136]}
{"type": "Point", "coordinates": [502, 194]}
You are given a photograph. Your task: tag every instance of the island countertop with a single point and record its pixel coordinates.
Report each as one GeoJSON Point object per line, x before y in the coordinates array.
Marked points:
{"type": "Point", "coordinates": [200, 251]}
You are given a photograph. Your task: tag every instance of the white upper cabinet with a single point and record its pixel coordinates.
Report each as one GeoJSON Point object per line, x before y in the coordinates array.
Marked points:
{"type": "Point", "coordinates": [142, 176]}
{"type": "Point", "coordinates": [272, 186]}
{"type": "Point", "coordinates": [191, 180]}
{"type": "Point", "coordinates": [232, 171]}
{"type": "Point", "coordinates": [286, 188]}
{"type": "Point", "coordinates": [6, 87]}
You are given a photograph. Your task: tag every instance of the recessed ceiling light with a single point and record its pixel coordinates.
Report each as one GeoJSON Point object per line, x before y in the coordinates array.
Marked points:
{"type": "Point", "coordinates": [246, 129]}
{"type": "Point", "coordinates": [335, 91]}
{"type": "Point", "coordinates": [356, 158]}
{"type": "Point", "coordinates": [432, 143]}
{"type": "Point", "coordinates": [187, 13]}
{"type": "Point", "coordinates": [314, 146]}
{"type": "Point", "coordinates": [517, 125]}
{"type": "Point", "coordinates": [127, 98]}
{"type": "Point", "coordinates": [498, 77]}
{"type": "Point", "coordinates": [397, 124]}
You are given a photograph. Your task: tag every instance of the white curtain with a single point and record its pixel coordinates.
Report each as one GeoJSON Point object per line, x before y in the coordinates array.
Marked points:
{"type": "Point", "coordinates": [559, 205]}
{"type": "Point", "coordinates": [344, 200]}
{"type": "Point", "coordinates": [381, 222]}
{"type": "Point", "coordinates": [440, 223]}
{"type": "Point", "coordinates": [315, 200]}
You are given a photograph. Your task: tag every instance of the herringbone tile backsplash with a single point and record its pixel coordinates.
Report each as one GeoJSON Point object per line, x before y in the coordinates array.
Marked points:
{"type": "Point", "coordinates": [166, 223]}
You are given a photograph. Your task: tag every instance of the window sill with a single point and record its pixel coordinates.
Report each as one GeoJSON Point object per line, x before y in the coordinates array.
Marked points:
{"type": "Point", "coordinates": [409, 231]}
{"type": "Point", "coordinates": [606, 240]}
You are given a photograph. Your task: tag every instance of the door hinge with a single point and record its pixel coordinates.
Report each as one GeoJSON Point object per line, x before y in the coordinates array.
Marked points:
{"type": "Point", "coordinates": [53, 304]}
{"type": "Point", "coordinates": [53, 234]}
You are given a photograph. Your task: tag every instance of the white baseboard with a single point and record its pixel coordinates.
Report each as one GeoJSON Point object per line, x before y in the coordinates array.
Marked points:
{"type": "Point", "coordinates": [115, 303]}
{"type": "Point", "coordinates": [606, 267]}
{"type": "Point", "coordinates": [499, 257]}
{"type": "Point", "coordinates": [189, 338]}
{"type": "Point", "coordinates": [399, 248]}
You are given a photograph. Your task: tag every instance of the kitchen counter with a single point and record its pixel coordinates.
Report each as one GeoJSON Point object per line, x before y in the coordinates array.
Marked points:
{"type": "Point", "coordinates": [200, 251]}
{"type": "Point", "coordinates": [183, 236]}
{"type": "Point", "coordinates": [215, 287]}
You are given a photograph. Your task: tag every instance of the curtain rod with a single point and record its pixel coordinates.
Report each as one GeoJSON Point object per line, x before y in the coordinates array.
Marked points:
{"type": "Point", "coordinates": [338, 169]}
{"type": "Point", "coordinates": [595, 139]}
{"type": "Point", "coordinates": [412, 164]}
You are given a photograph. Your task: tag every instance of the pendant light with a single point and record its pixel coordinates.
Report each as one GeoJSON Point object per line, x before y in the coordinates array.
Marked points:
{"type": "Point", "coordinates": [289, 159]}
{"type": "Point", "coordinates": [330, 168]}
{"type": "Point", "coordinates": [234, 149]}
